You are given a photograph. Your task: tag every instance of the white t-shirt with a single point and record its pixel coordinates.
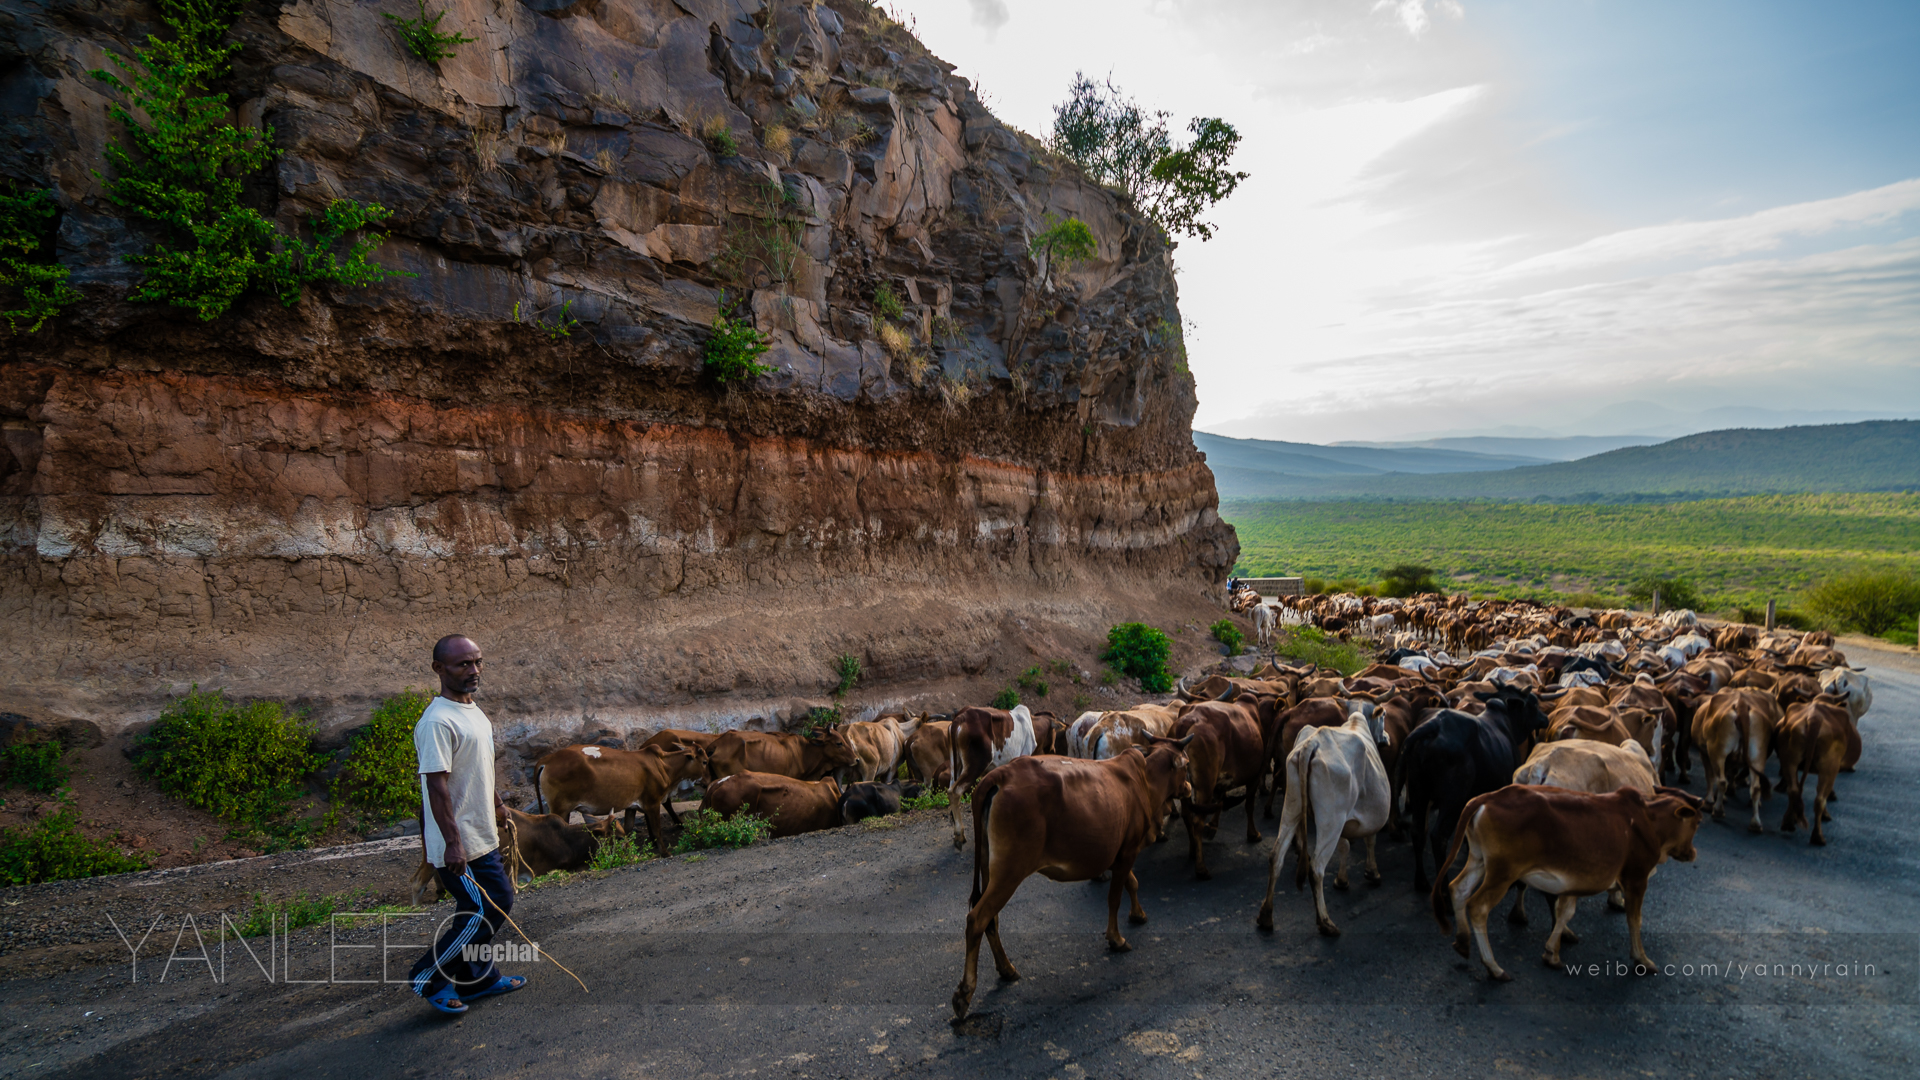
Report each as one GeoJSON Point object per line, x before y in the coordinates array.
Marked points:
{"type": "Point", "coordinates": [457, 739]}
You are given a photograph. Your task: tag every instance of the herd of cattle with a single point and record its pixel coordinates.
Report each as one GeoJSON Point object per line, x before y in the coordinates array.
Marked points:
{"type": "Point", "coordinates": [1545, 750]}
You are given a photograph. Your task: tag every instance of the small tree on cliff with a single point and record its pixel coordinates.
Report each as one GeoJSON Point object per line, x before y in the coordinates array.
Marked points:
{"type": "Point", "coordinates": [1124, 146]}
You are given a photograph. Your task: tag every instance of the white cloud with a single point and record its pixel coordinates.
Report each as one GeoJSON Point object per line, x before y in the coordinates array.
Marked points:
{"type": "Point", "coordinates": [1728, 237]}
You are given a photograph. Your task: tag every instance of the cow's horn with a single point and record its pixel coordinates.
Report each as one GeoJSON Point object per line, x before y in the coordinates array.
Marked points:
{"type": "Point", "coordinates": [1180, 687]}
{"type": "Point", "coordinates": [1233, 692]}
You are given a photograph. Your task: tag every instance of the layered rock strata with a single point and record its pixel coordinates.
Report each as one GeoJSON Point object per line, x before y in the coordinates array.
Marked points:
{"type": "Point", "coordinates": [293, 501]}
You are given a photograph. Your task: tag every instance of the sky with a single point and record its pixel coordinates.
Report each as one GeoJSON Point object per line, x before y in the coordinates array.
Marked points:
{"type": "Point", "coordinates": [1507, 216]}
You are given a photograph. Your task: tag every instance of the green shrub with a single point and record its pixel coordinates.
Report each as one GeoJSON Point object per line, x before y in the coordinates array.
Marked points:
{"type": "Point", "coordinates": [707, 829]}
{"type": "Point", "coordinates": [423, 38]}
{"type": "Point", "coordinates": [615, 852]}
{"type": "Point", "coordinates": [184, 169]}
{"type": "Point", "coordinates": [26, 226]}
{"type": "Point", "coordinates": [1870, 601]}
{"type": "Point", "coordinates": [1006, 698]}
{"type": "Point", "coordinates": [246, 763]}
{"type": "Point", "coordinates": [264, 916]}
{"type": "Point", "coordinates": [1124, 146]}
{"type": "Point", "coordinates": [1312, 644]}
{"type": "Point", "coordinates": [1406, 579]}
{"type": "Point", "coordinates": [733, 352]}
{"type": "Point", "coordinates": [1031, 679]}
{"type": "Point", "coordinates": [381, 774]}
{"type": "Point", "coordinates": [36, 766]}
{"type": "Point", "coordinates": [1141, 651]}
{"type": "Point", "coordinates": [718, 135]}
{"type": "Point", "coordinates": [819, 717]}
{"type": "Point", "coordinates": [1067, 243]}
{"type": "Point", "coordinates": [848, 668]}
{"type": "Point", "coordinates": [55, 850]}
{"type": "Point", "coordinates": [1081, 703]}
{"type": "Point", "coordinates": [1675, 593]}
{"type": "Point", "coordinates": [1314, 586]}
{"type": "Point", "coordinates": [930, 798]}
{"type": "Point", "coordinates": [1229, 635]}
{"type": "Point", "coordinates": [1108, 677]}
{"type": "Point", "coordinates": [886, 303]}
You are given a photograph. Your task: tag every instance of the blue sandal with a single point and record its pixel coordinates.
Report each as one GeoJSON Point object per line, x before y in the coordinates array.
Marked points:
{"type": "Point", "coordinates": [505, 984]}
{"type": "Point", "coordinates": [448, 1001]}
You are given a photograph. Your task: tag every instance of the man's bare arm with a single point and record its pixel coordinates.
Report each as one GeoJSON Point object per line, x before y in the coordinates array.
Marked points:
{"type": "Point", "coordinates": [440, 801]}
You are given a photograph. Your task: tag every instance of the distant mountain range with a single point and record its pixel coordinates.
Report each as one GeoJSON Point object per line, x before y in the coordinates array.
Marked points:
{"type": "Point", "coordinates": [1877, 455]}
{"type": "Point", "coordinates": [1647, 420]}
{"type": "Point", "coordinates": [1563, 448]}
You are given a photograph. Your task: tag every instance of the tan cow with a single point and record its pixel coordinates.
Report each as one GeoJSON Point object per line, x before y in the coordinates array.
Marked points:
{"type": "Point", "coordinates": [1734, 728]}
{"type": "Point", "coordinates": [1070, 820]}
{"type": "Point", "coordinates": [605, 780]}
{"type": "Point", "coordinates": [879, 745]}
{"type": "Point", "coordinates": [1117, 731]}
{"type": "Point", "coordinates": [794, 806]}
{"type": "Point", "coordinates": [1567, 843]}
{"type": "Point", "coordinates": [1225, 750]}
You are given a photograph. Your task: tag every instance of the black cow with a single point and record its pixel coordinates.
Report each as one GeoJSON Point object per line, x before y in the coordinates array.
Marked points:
{"type": "Point", "coordinates": [1398, 655]}
{"type": "Point", "coordinates": [874, 799]}
{"type": "Point", "coordinates": [1454, 756]}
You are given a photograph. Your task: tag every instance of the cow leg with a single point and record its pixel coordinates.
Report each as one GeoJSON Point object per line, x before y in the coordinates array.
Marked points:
{"type": "Point", "coordinates": [1418, 807]}
{"type": "Point", "coordinates": [1342, 851]}
{"type": "Point", "coordinates": [1136, 914]}
{"type": "Point", "coordinates": [1000, 962]}
{"type": "Point", "coordinates": [1463, 886]}
{"type": "Point", "coordinates": [657, 829]}
{"type": "Point", "coordinates": [1394, 828]}
{"type": "Point", "coordinates": [1253, 831]}
{"type": "Point", "coordinates": [1822, 796]}
{"type": "Point", "coordinates": [1373, 865]}
{"type": "Point", "coordinates": [985, 912]}
{"type": "Point", "coordinates": [953, 812]}
{"type": "Point", "coordinates": [1123, 881]}
{"type": "Point", "coordinates": [1636, 894]}
{"type": "Point", "coordinates": [1517, 914]}
{"type": "Point", "coordinates": [1327, 847]}
{"type": "Point", "coordinates": [1562, 915]}
{"type": "Point", "coordinates": [1796, 803]}
{"type": "Point", "coordinates": [1616, 901]}
{"type": "Point", "coordinates": [1264, 920]}
{"type": "Point", "coordinates": [1479, 904]}
{"type": "Point", "coordinates": [1196, 845]}
{"type": "Point", "coordinates": [1757, 791]}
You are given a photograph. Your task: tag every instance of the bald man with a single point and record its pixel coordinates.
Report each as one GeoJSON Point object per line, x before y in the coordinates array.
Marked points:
{"type": "Point", "coordinates": [454, 742]}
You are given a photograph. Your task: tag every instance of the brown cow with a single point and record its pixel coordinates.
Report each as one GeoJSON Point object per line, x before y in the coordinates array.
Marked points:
{"type": "Point", "coordinates": [1070, 820]}
{"type": "Point", "coordinates": [983, 739]}
{"type": "Point", "coordinates": [803, 757]}
{"type": "Point", "coordinates": [794, 806]}
{"type": "Point", "coordinates": [1812, 740]}
{"type": "Point", "coordinates": [1567, 843]}
{"type": "Point", "coordinates": [927, 750]}
{"type": "Point", "coordinates": [533, 844]}
{"type": "Point", "coordinates": [1226, 750]}
{"type": "Point", "coordinates": [1734, 728]}
{"type": "Point", "coordinates": [669, 736]}
{"type": "Point", "coordinates": [604, 780]}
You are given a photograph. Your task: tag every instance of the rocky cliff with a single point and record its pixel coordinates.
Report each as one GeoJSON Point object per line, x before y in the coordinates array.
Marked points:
{"type": "Point", "coordinates": [296, 501]}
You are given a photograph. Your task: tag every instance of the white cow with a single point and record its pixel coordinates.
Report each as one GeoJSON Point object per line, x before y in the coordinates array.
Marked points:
{"type": "Point", "coordinates": [1853, 684]}
{"type": "Point", "coordinates": [1337, 791]}
{"type": "Point", "coordinates": [1263, 619]}
{"type": "Point", "coordinates": [1691, 644]}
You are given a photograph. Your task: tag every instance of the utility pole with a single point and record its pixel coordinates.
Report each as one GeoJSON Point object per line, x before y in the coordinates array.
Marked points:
{"type": "Point", "coordinates": [1769, 613]}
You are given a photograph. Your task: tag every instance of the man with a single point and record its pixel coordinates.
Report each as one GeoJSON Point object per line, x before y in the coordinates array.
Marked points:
{"type": "Point", "coordinates": [454, 742]}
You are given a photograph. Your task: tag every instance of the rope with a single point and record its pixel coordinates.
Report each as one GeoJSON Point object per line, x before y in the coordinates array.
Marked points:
{"type": "Point", "coordinates": [468, 874]}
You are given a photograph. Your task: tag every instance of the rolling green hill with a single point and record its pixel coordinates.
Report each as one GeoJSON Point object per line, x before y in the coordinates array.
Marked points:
{"type": "Point", "coordinates": [1876, 455]}
{"type": "Point", "coordinates": [1734, 550]}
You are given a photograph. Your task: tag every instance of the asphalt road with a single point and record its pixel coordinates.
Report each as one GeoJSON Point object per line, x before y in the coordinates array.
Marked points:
{"type": "Point", "coordinates": [835, 955]}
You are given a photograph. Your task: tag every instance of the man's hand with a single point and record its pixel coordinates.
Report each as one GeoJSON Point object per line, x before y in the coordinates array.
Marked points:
{"type": "Point", "coordinates": [456, 856]}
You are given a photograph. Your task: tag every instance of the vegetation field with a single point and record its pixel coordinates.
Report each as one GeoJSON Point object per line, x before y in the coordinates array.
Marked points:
{"type": "Point", "coordinates": [1736, 551]}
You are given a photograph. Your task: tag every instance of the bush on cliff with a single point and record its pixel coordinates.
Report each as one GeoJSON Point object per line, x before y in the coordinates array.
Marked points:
{"type": "Point", "coordinates": [1141, 651]}
{"type": "Point", "coordinates": [183, 170]}
{"type": "Point", "coordinates": [1126, 147]}
{"type": "Point", "coordinates": [246, 763]}
{"type": "Point", "coordinates": [733, 352]}
{"type": "Point", "coordinates": [381, 774]}
{"type": "Point", "coordinates": [26, 259]}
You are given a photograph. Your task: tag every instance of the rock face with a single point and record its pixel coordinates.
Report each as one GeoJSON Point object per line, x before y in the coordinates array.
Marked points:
{"type": "Point", "coordinates": [297, 501]}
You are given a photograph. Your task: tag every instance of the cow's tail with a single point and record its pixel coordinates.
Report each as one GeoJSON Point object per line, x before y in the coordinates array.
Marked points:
{"type": "Point", "coordinates": [1442, 907]}
{"type": "Point", "coordinates": [539, 796]}
{"type": "Point", "coordinates": [982, 804]}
